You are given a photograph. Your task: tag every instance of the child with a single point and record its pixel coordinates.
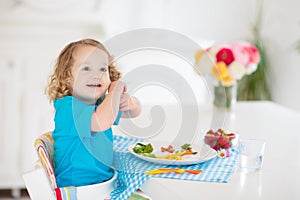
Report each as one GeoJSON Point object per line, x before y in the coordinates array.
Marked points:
{"type": "Point", "coordinates": [88, 99]}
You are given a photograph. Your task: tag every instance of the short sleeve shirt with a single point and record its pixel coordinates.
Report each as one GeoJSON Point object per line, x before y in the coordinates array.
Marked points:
{"type": "Point", "coordinates": [81, 157]}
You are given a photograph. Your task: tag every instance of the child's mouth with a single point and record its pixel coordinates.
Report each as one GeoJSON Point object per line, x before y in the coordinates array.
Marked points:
{"type": "Point", "coordinates": [94, 85]}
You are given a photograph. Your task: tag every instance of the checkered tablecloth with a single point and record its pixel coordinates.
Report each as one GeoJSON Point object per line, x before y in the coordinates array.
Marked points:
{"type": "Point", "coordinates": [132, 170]}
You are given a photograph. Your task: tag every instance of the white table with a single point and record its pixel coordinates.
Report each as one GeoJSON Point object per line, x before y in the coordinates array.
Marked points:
{"type": "Point", "coordinates": [280, 176]}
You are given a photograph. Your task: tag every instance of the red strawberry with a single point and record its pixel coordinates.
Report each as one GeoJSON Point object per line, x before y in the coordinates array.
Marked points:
{"type": "Point", "coordinates": [216, 147]}
{"type": "Point", "coordinates": [210, 140]}
{"type": "Point", "coordinates": [220, 131]}
{"type": "Point", "coordinates": [223, 141]}
{"type": "Point", "coordinates": [210, 132]}
{"type": "Point", "coordinates": [228, 145]}
{"type": "Point", "coordinates": [231, 136]}
{"type": "Point", "coordinates": [219, 139]}
{"type": "Point", "coordinates": [217, 133]}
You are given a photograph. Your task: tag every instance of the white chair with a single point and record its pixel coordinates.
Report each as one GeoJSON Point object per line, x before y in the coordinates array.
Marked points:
{"type": "Point", "coordinates": [41, 182]}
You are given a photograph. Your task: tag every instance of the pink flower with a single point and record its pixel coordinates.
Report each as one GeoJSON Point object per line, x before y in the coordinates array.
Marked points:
{"type": "Point", "coordinates": [254, 54]}
{"type": "Point", "coordinates": [225, 55]}
{"type": "Point", "coordinates": [245, 53]}
{"type": "Point", "coordinates": [241, 53]}
{"type": "Point", "coordinates": [227, 153]}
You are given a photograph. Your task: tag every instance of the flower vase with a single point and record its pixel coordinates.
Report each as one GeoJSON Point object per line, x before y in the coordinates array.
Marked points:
{"type": "Point", "coordinates": [225, 96]}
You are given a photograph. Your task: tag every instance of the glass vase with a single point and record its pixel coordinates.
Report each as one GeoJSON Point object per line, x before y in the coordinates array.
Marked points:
{"type": "Point", "coordinates": [225, 96]}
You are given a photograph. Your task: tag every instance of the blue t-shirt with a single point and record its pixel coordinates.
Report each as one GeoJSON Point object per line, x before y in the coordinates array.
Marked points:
{"type": "Point", "coordinates": [81, 157]}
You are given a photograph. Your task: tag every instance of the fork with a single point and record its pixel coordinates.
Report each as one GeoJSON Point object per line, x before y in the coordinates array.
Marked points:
{"type": "Point", "coordinates": [176, 170]}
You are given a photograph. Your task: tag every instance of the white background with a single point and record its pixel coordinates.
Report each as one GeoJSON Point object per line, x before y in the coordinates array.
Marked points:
{"type": "Point", "coordinates": [33, 32]}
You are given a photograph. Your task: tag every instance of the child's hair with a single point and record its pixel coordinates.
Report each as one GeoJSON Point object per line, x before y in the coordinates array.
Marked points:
{"type": "Point", "coordinates": [60, 81]}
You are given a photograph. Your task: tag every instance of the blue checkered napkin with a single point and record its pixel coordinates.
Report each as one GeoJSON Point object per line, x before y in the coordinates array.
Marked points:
{"type": "Point", "coordinates": [127, 184]}
{"type": "Point", "coordinates": [129, 178]}
{"type": "Point", "coordinates": [132, 170]}
{"type": "Point", "coordinates": [217, 170]}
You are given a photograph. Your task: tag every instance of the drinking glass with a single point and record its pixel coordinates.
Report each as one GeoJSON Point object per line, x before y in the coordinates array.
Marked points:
{"type": "Point", "coordinates": [251, 154]}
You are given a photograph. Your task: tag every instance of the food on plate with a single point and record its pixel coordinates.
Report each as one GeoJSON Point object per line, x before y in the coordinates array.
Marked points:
{"type": "Point", "coordinates": [169, 149]}
{"type": "Point", "coordinates": [219, 139]}
{"type": "Point", "coordinates": [187, 149]}
{"type": "Point", "coordinates": [176, 170]}
{"type": "Point", "coordinates": [171, 154]}
{"type": "Point", "coordinates": [142, 148]}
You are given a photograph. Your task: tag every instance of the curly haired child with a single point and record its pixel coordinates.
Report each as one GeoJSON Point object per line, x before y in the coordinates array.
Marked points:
{"type": "Point", "coordinates": [88, 99]}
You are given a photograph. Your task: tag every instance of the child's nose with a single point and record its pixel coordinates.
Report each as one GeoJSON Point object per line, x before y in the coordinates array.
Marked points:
{"type": "Point", "coordinates": [97, 75]}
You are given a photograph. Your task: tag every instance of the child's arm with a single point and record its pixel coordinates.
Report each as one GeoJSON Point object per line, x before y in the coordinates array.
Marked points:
{"type": "Point", "coordinates": [106, 113]}
{"type": "Point", "coordinates": [130, 106]}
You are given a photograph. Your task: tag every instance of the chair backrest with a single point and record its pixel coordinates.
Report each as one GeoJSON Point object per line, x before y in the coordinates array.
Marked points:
{"type": "Point", "coordinates": [45, 149]}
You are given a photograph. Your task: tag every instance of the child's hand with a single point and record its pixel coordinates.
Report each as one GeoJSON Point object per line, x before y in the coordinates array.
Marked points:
{"type": "Point", "coordinates": [117, 86]}
{"type": "Point", "coordinates": [127, 102]}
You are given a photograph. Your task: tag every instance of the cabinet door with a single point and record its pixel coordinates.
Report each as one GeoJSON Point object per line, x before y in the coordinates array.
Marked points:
{"type": "Point", "coordinates": [37, 112]}
{"type": "Point", "coordinates": [10, 112]}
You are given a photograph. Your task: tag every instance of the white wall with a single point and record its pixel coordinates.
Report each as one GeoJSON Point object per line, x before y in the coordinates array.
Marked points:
{"type": "Point", "coordinates": [219, 20]}
{"type": "Point", "coordinates": [281, 31]}
{"type": "Point", "coordinates": [201, 20]}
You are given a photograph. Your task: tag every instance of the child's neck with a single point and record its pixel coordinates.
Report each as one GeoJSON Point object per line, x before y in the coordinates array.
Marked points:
{"type": "Point", "coordinates": [87, 101]}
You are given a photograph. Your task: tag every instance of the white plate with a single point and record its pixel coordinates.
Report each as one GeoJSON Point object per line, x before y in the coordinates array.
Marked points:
{"type": "Point", "coordinates": [204, 154]}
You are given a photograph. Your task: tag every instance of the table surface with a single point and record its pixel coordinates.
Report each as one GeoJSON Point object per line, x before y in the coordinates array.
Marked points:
{"type": "Point", "coordinates": [280, 175]}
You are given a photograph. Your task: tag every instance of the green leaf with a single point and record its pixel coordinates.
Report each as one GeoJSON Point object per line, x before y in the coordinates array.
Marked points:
{"type": "Point", "coordinates": [148, 148]}
{"type": "Point", "coordinates": [186, 147]}
{"type": "Point", "coordinates": [140, 148]}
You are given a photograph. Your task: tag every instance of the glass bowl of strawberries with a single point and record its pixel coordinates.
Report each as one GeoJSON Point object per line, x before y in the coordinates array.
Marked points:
{"type": "Point", "coordinates": [219, 139]}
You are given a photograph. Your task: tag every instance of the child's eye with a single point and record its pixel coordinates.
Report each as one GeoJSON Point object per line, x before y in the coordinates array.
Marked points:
{"type": "Point", "coordinates": [86, 68]}
{"type": "Point", "coordinates": [103, 69]}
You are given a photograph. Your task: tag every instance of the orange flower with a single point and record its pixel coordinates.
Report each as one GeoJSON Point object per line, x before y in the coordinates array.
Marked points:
{"type": "Point", "coordinates": [198, 55]}
{"type": "Point", "coordinates": [220, 72]}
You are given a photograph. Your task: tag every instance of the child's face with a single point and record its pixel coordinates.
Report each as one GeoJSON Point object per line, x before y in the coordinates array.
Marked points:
{"type": "Point", "coordinates": [90, 73]}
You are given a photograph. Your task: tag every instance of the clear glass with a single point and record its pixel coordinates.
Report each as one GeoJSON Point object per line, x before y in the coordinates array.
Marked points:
{"type": "Point", "coordinates": [251, 154]}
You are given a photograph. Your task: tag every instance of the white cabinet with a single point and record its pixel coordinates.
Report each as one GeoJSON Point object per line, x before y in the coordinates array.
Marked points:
{"type": "Point", "coordinates": [30, 42]}
{"type": "Point", "coordinates": [37, 112]}
{"type": "Point", "coordinates": [25, 113]}
{"type": "Point", "coordinates": [10, 118]}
